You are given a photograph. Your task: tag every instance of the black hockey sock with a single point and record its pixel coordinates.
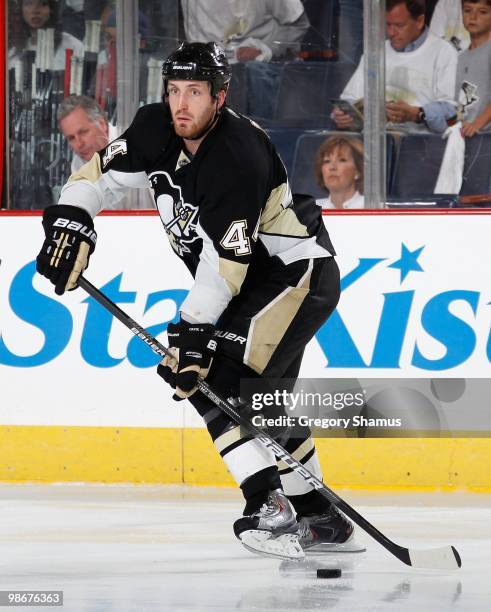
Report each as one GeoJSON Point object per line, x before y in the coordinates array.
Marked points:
{"type": "Point", "coordinates": [255, 488]}
{"type": "Point", "coordinates": [310, 503]}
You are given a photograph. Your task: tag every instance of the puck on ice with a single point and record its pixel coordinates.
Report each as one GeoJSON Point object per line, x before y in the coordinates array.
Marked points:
{"type": "Point", "coordinates": [328, 573]}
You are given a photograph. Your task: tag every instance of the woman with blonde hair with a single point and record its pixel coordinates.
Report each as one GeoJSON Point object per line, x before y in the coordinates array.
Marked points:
{"type": "Point", "coordinates": [338, 170]}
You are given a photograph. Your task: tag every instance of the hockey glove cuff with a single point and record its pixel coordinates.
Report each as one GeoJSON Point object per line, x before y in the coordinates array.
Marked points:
{"type": "Point", "coordinates": [192, 346]}
{"type": "Point", "coordinates": [70, 241]}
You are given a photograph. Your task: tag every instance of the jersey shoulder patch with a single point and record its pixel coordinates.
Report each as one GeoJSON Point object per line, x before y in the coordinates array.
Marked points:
{"type": "Point", "coordinates": [116, 147]}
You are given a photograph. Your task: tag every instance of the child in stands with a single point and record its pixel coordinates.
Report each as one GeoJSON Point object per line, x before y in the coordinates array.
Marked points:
{"type": "Point", "coordinates": [473, 83]}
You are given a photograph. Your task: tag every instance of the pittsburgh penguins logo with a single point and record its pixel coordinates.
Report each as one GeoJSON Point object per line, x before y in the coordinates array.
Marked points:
{"type": "Point", "coordinates": [178, 217]}
{"type": "Point", "coordinates": [467, 95]}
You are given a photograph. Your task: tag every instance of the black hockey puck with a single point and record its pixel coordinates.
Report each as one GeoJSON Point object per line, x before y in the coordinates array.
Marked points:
{"type": "Point", "coordinates": [328, 573]}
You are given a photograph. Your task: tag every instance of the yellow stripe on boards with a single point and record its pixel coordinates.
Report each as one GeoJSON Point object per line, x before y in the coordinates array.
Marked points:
{"type": "Point", "coordinates": [167, 455]}
{"type": "Point", "coordinates": [90, 454]}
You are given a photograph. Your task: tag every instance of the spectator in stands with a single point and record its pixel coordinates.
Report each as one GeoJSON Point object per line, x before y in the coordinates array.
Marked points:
{"type": "Point", "coordinates": [447, 23]}
{"type": "Point", "coordinates": [474, 69]}
{"type": "Point", "coordinates": [420, 72]}
{"type": "Point", "coordinates": [338, 168]}
{"type": "Point", "coordinates": [258, 30]}
{"type": "Point", "coordinates": [27, 18]}
{"type": "Point", "coordinates": [83, 123]}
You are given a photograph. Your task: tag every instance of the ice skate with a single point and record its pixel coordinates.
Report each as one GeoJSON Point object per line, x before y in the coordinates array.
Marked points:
{"type": "Point", "coordinates": [271, 531]}
{"type": "Point", "coordinates": [331, 532]}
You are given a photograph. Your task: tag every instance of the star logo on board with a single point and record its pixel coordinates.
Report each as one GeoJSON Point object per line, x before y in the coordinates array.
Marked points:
{"type": "Point", "coordinates": [408, 262]}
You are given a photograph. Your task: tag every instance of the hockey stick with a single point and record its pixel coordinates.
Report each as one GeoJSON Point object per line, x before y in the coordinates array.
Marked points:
{"type": "Point", "coordinates": [445, 557]}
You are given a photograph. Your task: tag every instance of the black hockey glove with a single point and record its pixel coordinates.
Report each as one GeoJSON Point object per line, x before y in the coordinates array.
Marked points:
{"type": "Point", "coordinates": [70, 241]}
{"type": "Point", "coordinates": [192, 346]}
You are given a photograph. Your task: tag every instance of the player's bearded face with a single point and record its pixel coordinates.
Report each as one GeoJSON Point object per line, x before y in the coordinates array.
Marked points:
{"type": "Point", "coordinates": [191, 105]}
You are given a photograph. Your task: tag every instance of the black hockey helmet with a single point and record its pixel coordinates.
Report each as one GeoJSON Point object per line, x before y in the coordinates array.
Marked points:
{"type": "Point", "coordinates": [198, 62]}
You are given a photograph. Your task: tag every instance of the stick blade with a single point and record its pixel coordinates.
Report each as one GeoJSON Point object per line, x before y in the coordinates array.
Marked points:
{"type": "Point", "coordinates": [446, 557]}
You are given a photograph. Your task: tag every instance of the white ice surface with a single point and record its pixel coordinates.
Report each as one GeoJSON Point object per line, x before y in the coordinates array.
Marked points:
{"type": "Point", "coordinates": [139, 548]}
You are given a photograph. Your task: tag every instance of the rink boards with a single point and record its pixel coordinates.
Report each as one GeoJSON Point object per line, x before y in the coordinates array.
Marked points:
{"type": "Point", "coordinates": [80, 400]}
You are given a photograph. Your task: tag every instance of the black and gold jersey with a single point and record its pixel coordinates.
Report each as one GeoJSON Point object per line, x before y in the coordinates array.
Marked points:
{"type": "Point", "coordinates": [224, 208]}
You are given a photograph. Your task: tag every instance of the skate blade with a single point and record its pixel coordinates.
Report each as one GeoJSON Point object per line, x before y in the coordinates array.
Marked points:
{"type": "Point", "coordinates": [285, 546]}
{"type": "Point", "coordinates": [350, 546]}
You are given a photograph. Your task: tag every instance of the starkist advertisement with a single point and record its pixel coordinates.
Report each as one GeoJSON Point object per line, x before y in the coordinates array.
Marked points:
{"type": "Point", "coordinates": [415, 302]}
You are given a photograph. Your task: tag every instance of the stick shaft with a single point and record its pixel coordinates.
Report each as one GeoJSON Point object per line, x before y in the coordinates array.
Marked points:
{"type": "Point", "coordinates": [399, 551]}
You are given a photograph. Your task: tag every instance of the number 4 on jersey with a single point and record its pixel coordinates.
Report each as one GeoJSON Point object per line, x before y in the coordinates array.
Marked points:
{"type": "Point", "coordinates": [236, 238]}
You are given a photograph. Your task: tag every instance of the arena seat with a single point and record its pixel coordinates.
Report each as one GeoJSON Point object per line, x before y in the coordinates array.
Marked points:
{"type": "Point", "coordinates": [416, 166]}
{"type": "Point", "coordinates": [306, 92]}
{"type": "Point", "coordinates": [263, 84]}
{"type": "Point", "coordinates": [285, 141]}
{"type": "Point", "coordinates": [477, 165]}
{"type": "Point", "coordinates": [237, 91]}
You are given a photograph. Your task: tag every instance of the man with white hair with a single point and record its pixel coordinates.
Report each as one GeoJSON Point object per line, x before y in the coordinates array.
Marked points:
{"type": "Point", "coordinates": [83, 123]}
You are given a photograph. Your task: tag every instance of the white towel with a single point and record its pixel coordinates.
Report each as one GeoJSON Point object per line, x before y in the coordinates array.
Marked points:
{"type": "Point", "coordinates": [452, 168]}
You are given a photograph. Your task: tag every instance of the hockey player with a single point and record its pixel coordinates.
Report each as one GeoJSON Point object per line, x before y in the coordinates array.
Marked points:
{"type": "Point", "coordinates": [265, 277]}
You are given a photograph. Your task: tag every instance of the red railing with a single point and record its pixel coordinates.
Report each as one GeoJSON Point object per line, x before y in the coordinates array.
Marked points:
{"type": "Point", "coordinates": [326, 213]}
